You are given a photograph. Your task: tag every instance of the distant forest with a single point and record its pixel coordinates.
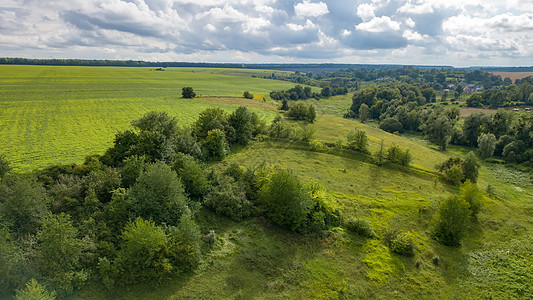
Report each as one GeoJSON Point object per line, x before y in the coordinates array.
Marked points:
{"type": "Point", "coordinates": [288, 67]}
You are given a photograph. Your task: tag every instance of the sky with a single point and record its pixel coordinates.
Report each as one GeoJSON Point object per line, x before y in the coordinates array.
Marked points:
{"type": "Point", "coordinates": [411, 32]}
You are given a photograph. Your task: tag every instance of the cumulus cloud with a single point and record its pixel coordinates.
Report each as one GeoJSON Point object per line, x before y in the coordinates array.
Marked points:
{"type": "Point", "coordinates": [309, 9]}
{"type": "Point", "coordinates": [438, 31]}
{"type": "Point", "coordinates": [379, 24]}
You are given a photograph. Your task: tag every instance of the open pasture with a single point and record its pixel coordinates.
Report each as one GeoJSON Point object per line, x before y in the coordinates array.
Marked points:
{"type": "Point", "coordinates": [51, 114]}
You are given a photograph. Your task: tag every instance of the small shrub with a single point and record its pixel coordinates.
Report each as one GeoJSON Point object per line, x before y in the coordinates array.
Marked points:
{"type": "Point", "coordinates": [228, 198]}
{"type": "Point", "coordinates": [360, 227]}
{"type": "Point", "coordinates": [403, 245]}
{"type": "Point", "coordinates": [358, 140]}
{"type": "Point", "coordinates": [435, 260]}
{"type": "Point", "coordinates": [247, 95]}
{"type": "Point", "coordinates": [451, 221]}
{"type": "Point", "coordinates": [318, 146]}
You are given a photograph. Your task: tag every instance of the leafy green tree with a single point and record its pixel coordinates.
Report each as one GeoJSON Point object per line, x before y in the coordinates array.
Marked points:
{"type": "Point", "coordinates": [473, 126]}
{"type": "Point", "coordinates": [458, 91]}
{"type": "Point", "coordinates": [391, 124]}
{"type": "Point", "coordinates": [184, 244]}
{"type": "Point", "coordinates": [158, 195]}
{"type": "Point", "coordinates": [23, 204]}
{"type": "Point", "coordinates": [472, 195]}
{"type": "Point", "coordinates": [358, 140]}
{"type": "Point", "coordinates": [228, 198]}
{"type": "Point", "coordinates": [396, 155]}
{"type": "Point", "coordinates": [247, 95]}
{"type": "Point", "coordinates": [379, 156]}
{"type": "Point", "coordinates": [34, 291]}
{"type": "Point", "coordinates": [366, 96]}
{"type": "Point", "coordinates": [471, 167]}
{"type": "Point", "coordinates": [364, 112]}
{"type": "Point", "coordinates": [210, 119]}
{"type": "Point", "coordinates": [133, 168]}
{"type": "Point", "coordinates": [310, 116]}
{"type": "Point", "coordinates": [59, 250]}
{"type": "Point", "coordinates": [439, 131]}
{"type": "Point", "coordinates": [155, 121]}
{"type": "Point", "coordinates": [451, 221]}
{"type": "Point", "coordinates": [142, 256]}
{"type": "Point", "coordinates": [215, 145]}
{"type": "Point", "coordinates": [242, 122]}
{"type": "Point", "coordinates": [487, 144]}
{"type": "Point", "coordinates": [285, 200]}
{"type": "Point", "coordinates": [429, 94]}
{"type": "Point", "coordinates": [192, 176]}
{"type": "Point", "coordinates": [284, 105]}
{"type": "Point", "coordinates": [475, 100]}
{"type": "Point", "coordinates": [187, 92]}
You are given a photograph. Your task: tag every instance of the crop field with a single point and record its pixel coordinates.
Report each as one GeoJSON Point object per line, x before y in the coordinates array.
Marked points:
{"type": "Point", "coordinates": [51, 114]}
{"type": "Point", "coordinates": [513, 75]}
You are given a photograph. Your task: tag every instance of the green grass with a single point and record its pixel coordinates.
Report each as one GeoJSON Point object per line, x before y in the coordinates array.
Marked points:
{"type": "Point", "coordinates": [51, 115]}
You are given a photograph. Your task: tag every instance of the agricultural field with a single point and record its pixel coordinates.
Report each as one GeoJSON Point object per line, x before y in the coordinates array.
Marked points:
{"type": "Point", "coordinates": [513, 75]}
{"type": "Point", "coordinates": [55, 114]}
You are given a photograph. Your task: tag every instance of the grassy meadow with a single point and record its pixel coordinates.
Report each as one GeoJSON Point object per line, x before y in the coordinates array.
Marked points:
{"type": "Point", "coordinates": [55, 114]}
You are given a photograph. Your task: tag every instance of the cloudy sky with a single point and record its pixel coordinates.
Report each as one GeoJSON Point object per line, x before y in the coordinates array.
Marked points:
{"type": "Point", "coordinates": [442, 32]}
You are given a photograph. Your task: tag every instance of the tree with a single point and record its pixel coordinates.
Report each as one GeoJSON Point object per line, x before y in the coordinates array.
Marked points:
{"type": "Point", "coordinates": [472, 127]}
{"type": "Point", "coordinates": [470, 167]}
{"type": "Point", "coordinates": [210, 119]}
{"type": "Point", "coordinates": [228, 198]}
{"type": "Point", "coordinates": [391, 124]}
{"type": "Point", "coordinates": [247, 95]}
{"type": "Point", "coordinates": [215, 145]}
{"type": "Point", "coordinates": [285, 200]}
{"type": "Point", "coordinates": [142, 255]}
{"type": "Point", "coordinates": [156, 121]}
{"type": "Point", "coordinates": [192, 176]}
{"type": "Point", "coordinates": [34, 291]}
{"type": "Point", "coordinates": [242, 122]}
{"type": "Point", "coordinates": [458, 91]}
{"type": "Point", "coordinates": [59, 249]}
{"type": "Point", "coordinates": [474, 100]}
{"type": "Point", "coordinates": [366, 96]}
{"type": "Point", "coordinates": [429, 94]}
{"type": "Point", "coordinates": [486, 144]}
{"type": "Point", "coordinates": [451, 221]}
{"type": "Point", "coordinates": [188, 92]}
{"type": "Point", "coordinates": [284, 105]}
{"type": "Point", "coordinates": [439, 131]}
{"type": "Point", "coordinates": [133, 168]}
{"type": "Point", "coordinates": [379, 156]}
{"type": "Point", "coordinates": [358, 140]}
{"type": "Point", "coordinates": [473, 196]}
{"type": "Point", "coordinates": [364, 111]}
{"type": "Point", "coordinates": [158, 195]}
{"type": "Point", "coordinates": [23, 204]}
{"type": "Point", "coordinates": [310, 116]}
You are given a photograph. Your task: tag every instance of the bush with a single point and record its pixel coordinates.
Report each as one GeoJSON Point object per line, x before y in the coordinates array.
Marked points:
{"type": "Point", "coordinates": [358, 141]}
{"type": "Point", "coordinates": [451, 221]}
{"type": "Point", "coordinates": [391, 125]}
{"type": "Point", "coordinates": [215, 145]}
{"type": "Point", "coordinates": [34, 291]}
{"type": "Point", "coordinates": [454, 175]}
{"type": "Point", "coordinates": [470, 167]}
{"type": "Point", "coordinates": [300, 111]}
{"type": "Point", "coordinates": [473, 196]}
{"type": "Point", "coordinates": [486, 144]}
{"type": "Point", "coordinates": [360, 227]}
{"type": "Point", "coordinates": [318, 146]}
{"type": "Point", "coordinates": [142, 254]}
{"type": "Point", "coordinates": [158, 195]}
{"type": "Point", "coordinates": [228, 198]}
{"type": "Point", "coordinates": [397, 156]}
{"type": "Point", "coordinates": [402, 244]}
{"type": "Point", "coordinates": [191, 175]}
{"type": "Point", "coordinates": [247, 95]}
{"type": "Point", "coordinates": [4, 166]}
{"type": "Point", "coordinates": [285, 201]}
{"type": "Point", "coordinates": [188, 92]}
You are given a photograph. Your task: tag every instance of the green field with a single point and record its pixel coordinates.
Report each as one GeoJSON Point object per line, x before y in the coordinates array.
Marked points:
{"type": "Point", "coordinates": [51, 114]}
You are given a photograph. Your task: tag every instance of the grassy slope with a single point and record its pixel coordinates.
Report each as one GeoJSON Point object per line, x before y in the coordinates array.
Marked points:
{"type": "Point", "coordinates": [51, 115]}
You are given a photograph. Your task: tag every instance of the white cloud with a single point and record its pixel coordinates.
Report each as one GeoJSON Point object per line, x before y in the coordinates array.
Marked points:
{"type": "Point", "coordinates": [413, 35]}
{"type": "Point", "coordinates": [366, 11]}
{"type": "Point", "coordinates": [410, 8]}
{"type": "Point", "coordinates": [409, 22]}
{"type": "Point", "coordinates": [379, 24]}
{"type": "Point", "coordinates": [309, 9]}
